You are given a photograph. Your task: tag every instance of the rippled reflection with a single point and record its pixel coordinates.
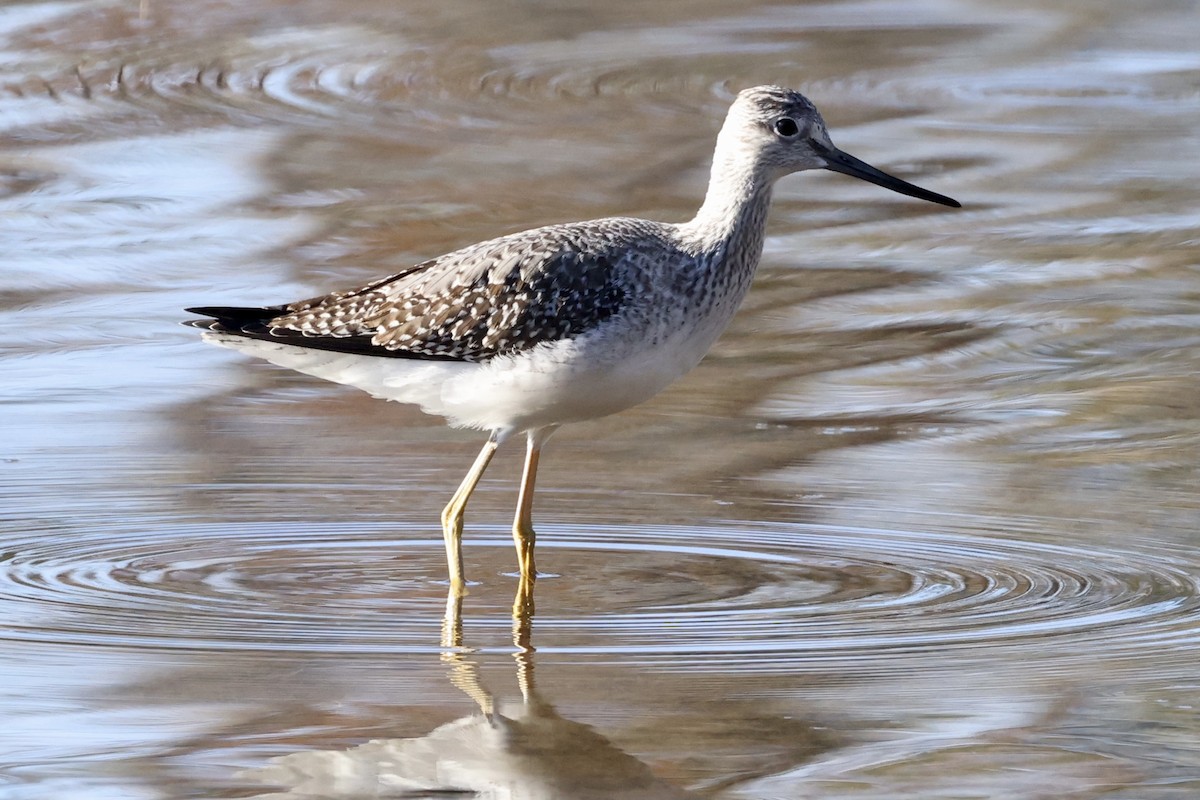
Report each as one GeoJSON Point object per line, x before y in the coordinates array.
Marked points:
{"type": "Point", "coordinates": [525, 750]}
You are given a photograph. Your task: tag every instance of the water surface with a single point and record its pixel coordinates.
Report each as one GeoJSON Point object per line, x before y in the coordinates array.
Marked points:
{"type": "Point", "coordinates": [924, 525]}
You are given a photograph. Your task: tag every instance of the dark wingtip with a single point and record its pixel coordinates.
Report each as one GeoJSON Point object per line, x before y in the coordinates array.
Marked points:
{"type": "Point", "coordinates": [232, 319]}
{"type": "Point", "coordinates": [236, 313]}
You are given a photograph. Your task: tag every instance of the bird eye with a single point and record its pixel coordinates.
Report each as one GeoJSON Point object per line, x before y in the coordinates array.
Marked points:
{"type": "Point", "coordinates": [786, 127]}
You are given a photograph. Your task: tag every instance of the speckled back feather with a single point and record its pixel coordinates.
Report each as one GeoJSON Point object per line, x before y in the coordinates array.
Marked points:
{"type": "Point", "coordinates": [498, 297]}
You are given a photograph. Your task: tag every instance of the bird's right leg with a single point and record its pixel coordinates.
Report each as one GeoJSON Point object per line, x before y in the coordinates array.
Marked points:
{"type": "Point", "coordinates": [452, 514]}
{"type": "Point", "coordinates": [523, 534]}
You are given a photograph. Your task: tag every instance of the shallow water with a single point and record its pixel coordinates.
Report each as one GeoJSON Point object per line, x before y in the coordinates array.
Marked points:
{"type": "Point", "coordinates": [924, 525]}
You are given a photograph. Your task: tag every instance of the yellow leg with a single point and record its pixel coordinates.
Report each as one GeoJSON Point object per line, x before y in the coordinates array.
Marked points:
{"type": "Point", "coordinates": [523, 603]}
{"type": "Point", "coordinates": [523, 534]}
{"type": "Point", "coordinates": [452, 514]}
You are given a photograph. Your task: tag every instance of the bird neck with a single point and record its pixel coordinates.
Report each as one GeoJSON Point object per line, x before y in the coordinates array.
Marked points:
{"type": "Point", "coordinates": [733, 217]}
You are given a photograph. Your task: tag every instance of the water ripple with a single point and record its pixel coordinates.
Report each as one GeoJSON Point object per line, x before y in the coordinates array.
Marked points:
{"type": "Point", "coordinates": [704, 596]}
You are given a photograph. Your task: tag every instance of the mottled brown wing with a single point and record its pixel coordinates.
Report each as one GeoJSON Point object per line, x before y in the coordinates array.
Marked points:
{"type": "Point", "coordinates": [498, 297]}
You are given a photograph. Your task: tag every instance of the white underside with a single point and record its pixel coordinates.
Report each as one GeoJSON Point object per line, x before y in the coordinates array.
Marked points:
{"type": "Point", "coordinates": [552, 384]}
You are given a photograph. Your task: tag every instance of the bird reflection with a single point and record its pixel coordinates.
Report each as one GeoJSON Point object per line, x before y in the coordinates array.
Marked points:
{"type": "Point", "coordinates": [520, 751]}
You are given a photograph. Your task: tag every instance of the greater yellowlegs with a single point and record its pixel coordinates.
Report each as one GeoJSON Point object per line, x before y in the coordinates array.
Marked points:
{"type": "Point", "coordinates": [569, 322]}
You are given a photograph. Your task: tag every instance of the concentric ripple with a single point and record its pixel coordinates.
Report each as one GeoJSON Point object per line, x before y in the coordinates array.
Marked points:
{"type": "Point", "coordinates": [690, 595]}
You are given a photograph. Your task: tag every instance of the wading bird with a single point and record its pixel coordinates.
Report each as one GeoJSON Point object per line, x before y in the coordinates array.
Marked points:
{"type": "Point", "coordinates": [530, 331]}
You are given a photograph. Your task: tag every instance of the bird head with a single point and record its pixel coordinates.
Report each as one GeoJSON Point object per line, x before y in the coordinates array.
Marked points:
{"type": "Point", "coordinates": [782, 132]}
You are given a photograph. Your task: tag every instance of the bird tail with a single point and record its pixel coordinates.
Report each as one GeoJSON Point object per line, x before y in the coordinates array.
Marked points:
{"type": "Point", "coordinates": [232, 319]}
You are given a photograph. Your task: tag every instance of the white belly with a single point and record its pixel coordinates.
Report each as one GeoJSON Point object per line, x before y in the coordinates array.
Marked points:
{"type": "Point", "coordinates": [552, 384]}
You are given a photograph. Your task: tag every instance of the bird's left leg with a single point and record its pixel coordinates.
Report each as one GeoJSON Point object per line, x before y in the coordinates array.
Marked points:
{"type": "Point", "coordinates": [452, 514]}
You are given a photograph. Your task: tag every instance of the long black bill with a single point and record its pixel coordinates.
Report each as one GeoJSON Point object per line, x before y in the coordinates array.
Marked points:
{"type": "Point", "coordinates": [847, 164]}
